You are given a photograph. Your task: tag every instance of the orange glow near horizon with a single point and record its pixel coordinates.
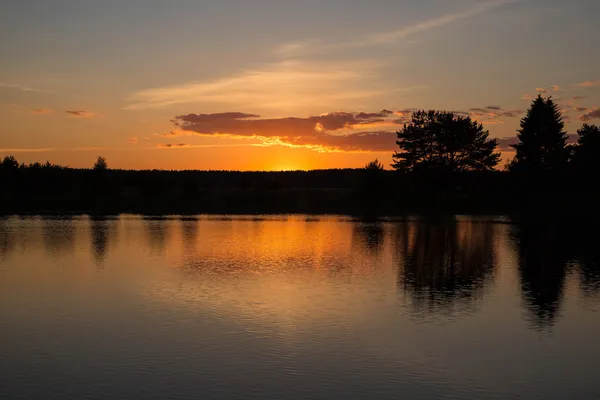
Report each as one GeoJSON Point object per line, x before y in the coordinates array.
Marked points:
{"type": "Point", "coordinates": [250, 158]}
{"type": "Point", "coordinates": [246, 158]}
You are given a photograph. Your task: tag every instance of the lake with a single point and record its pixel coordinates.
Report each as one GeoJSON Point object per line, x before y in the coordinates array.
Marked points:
{"type": "Point", "coordinates": [298, 307]}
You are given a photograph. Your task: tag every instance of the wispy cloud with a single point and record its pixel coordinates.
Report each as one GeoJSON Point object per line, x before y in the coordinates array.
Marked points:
{"type": "Point", "coordinates": [41, 111]}
{"type": "Point", "coordinates": [589, 84]}
{"type": "Point", "coordinates": [493, 115]}
{"type": "Point", "coordinates": [199, 146]}
{"type": "Point", "coordinates": [133, 140]}
{"type": "Point", "coordinates": [505, 143]}
{"type": "Point", "coordinates": [21, 88]}
{"type": "Point", "coordinates": [392, 36]}
{"type": "Point", "coordinates": [281, 87]}
{"type": "Point", "coordinates": [527, 97]}
{"type": "Point", "coordinates": [590, 115]}
{"type": "Point", "coordinates": [171, 145]}
{"type": "Point", "coordinates": [27, 150]}
{"type": "Point", "coordinates": [48, 149]}
{"type": "Point", "coordinates": [81, 114]}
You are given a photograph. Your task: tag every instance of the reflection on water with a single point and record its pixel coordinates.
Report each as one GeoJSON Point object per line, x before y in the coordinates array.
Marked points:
{"type": "Point", "coordinates": [370, 235]}
{"type": "Point", "coordinates": [157, 231]}
{"type": "Point", "coordinates": [59, 236]}
{"type": "Point", "coordinates": [445, 264]}
{"type": "Point", "coordinates": [543, 257]}
{"type": "Point", "coordinates": [103, 232]}
{"type": "Point", "coordinates": [7, 240]}
{"type": "Point", "coordinates": [189, 232]}
{"type": "Point", "coordinates": [548, 253]}
{"type": "Point", "coordinates": [298, 307]}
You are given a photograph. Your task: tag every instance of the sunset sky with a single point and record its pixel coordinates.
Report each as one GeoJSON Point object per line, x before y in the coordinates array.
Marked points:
{"type": "Point", "coordinates": [277, 84]}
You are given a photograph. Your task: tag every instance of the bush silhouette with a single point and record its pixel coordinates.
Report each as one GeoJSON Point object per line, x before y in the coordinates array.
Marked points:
{"type": "Point", "coordinates": [374, 165]}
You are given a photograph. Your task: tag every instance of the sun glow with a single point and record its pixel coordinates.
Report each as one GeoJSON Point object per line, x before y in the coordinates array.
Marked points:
{"type": "Point", "coordinates": [286, 167]}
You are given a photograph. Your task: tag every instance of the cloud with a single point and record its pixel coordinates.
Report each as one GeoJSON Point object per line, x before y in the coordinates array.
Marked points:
{"type": "Point", "coordinates": [30, 150]}
{"type": "Point", "coordinates": [280, 87]}
{"type": "Point", "coordinates": [171, 145]}
{"type": "Point", "coordinates": [492, 115]}
{"type": "Point", "coordinates": [504, 143]}
{"type": "Point", "coordinates": [39, 150]}
{"type": "Point", "coordinates": [81, 114]}
{"type": "Point", "coordinates": [335, 131]}
{"type": "Point", "coordinates": [578, 98]}
{"type": "Point", "coordinates": [541, 90]}
{"type": "Point", "coordinates": [41, 111]}
{"type": "Point", "coordinates": [189, 146]}
{"type": "Point", "coordinates": [133, 140]}
{"type": "Point", "coordinates": [589, 84]}
{"type": "Point", "coordinates": [556, 88]}
{"type": "Point", "coordinates": [250, 125]}
{"type": "Point", "coordinates": [590, 115]}
{"type": "Point", "coordinates": [21, 88]}
{"type": "Point", "coordinates": [394, 35]}
{"type": "Point", "coordinates": [387, 37]}
{"type": "Point", "coordinates": [381, 141]}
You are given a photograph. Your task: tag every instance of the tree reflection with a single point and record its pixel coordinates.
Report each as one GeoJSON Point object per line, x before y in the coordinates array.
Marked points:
{"type": "Point", "coordinates": [157, 231]}
{"type": "Point", "coordinates": [103, 231]}
{"type": "Point", "coordinates": [189, 232]}
{"type": "Point", "coordinates": [588, 260]}
{"type": "Point", "coordinates": [543, 251]}
{"type": "Point", "coordinates": [59, 235]}
{"type": "Point", "coordinates": [445, 264]}
{"type": "Point", "coordinates": [7, 241]}
{"type": "Point", "coordinates": [370, 235]}
{"type": "Point", "coordinates": [583, 240]}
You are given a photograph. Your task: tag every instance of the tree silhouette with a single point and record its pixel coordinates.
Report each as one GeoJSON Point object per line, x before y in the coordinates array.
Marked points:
{"type": "Point", "coordinates": [371, 185]}
{"type": "Point", "coordinates": [542, 145]}
{"type": "Point", "coordinates": [374, 165]}
{"type": "Point", "coordinates": [442, 140]}
{"type": "Point", "coordinates": [586, 157]}
{"type": "Point", "coordinates": [9, 163]}
{"type": "Point", "coordinates": [101, 164]}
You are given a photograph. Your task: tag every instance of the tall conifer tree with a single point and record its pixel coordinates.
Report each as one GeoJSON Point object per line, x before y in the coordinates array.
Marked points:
{"type": "Point", "coordinates": [542, 139]}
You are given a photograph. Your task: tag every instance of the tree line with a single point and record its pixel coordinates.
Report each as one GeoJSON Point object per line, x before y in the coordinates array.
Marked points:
{"type": "Point", "coordinates": [445, 163]}
{"type": "Point", "coordinates": [443, 142]}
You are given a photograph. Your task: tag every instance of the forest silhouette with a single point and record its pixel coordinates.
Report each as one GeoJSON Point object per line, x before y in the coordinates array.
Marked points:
{"type": "Point", "coordinates": [445, 163]}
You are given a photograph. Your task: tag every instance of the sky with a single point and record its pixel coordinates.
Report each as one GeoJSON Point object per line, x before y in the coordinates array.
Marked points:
{"type": "Point", "coordinates": [278, 84]}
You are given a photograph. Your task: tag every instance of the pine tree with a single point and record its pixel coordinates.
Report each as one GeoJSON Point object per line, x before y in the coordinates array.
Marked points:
{"type": "Point", "coordinates": [586, 157]}
{"type": "Point", "coordinates": [542, 139]}
{"type": "Point", "coordinates": [374, 165]}
{"type": "Point", "coordinates": [441, 141]}
{"type": "Point", "coordinates": [101, 164]}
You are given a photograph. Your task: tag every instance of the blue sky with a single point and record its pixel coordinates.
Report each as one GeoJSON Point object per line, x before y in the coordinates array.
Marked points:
{"type": "Point", "coordinates": [126, 69]}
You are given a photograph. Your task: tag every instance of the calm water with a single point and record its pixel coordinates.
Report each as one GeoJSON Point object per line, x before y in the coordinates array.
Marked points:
{"type": "Point", "coordinates": [298, 308]}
